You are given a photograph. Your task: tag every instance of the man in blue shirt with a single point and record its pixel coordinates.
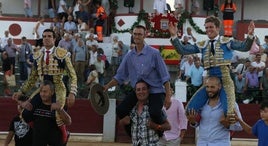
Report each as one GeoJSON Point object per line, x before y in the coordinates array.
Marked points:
{"type": "Point", "coordinates": [214, 127]}
{"type": "Point", "coordinates": [143, 63]}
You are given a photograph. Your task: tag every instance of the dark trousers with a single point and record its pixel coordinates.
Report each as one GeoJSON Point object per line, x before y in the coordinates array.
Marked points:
{"type": "Point", "coordinates": [12, 61]}
{"type": "Point", "coordinates": [156, 102]}
{"type": "Point", "coordinates": [23, 71]}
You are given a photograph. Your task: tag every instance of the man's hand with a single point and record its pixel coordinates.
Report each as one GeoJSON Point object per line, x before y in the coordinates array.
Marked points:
{"type": "Point", "coordinates": [16, 96]}
{"type": "Point", "coordinates": [172, 29]}
{"type": "Point", "coordinates": [125, 121]}
{"type": "Point", "coordinates": [26, 105]}
{"type": "Point", "coordinates": [183, 131]}
{"type": "Point", "coordinates": [226, 121]}
{"type": "Point", "coordinates": [70, 100]}
{"type": "Point", "coordinates": [167, 102]}
{"type": "Point", "coordinates": [192, 116]}
{"type": "Point", "coordinates": [55, 106]}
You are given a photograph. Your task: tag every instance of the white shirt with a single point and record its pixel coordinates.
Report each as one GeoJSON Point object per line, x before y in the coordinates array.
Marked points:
{"type": "Point", "coordinates": [62, 3]}
{"type": "Point", "coordinates": [177, 2]}
{"type": "Point", "coordinates": [261, 64]}
{"type": "Point", "coordinates": [160, 6]}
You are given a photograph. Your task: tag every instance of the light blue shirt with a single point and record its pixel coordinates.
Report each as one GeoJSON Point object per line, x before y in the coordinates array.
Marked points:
{"type": "Point", "coordinates": [265, 46]}
{"type": "Point", "coordinates": [196, 75]}
{"type": "Point", "coordinates": [70, 26]}
{"type": "Point", "coordinates": [147, 65]}
{"type": "Point", "coordinates": [211, 131]}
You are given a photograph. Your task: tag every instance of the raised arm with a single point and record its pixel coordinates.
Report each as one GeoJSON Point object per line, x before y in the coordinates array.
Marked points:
{"type": "Point", "coordinates": [175, 41]}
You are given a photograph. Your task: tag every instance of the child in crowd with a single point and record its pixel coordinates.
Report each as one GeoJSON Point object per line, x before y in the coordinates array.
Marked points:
{"type": "Point", "coordinates": [260, 128]}
{"type": "Point", "coordinates": [20, 129]}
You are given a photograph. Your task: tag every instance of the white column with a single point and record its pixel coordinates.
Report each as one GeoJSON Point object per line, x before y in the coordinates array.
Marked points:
{"type": "Point", "coordinates": [109, 122]}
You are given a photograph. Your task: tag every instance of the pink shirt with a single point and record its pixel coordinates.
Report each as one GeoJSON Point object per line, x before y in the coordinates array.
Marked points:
{"type": "Point", "coordinates": [177, 119]}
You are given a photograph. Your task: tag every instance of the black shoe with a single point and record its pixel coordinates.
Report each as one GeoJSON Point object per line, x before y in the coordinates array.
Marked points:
{"type": "Point", "coordinates": [160, 133]}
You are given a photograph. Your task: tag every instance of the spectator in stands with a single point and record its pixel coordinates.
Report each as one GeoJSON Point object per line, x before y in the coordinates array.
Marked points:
{"type": "Point", "coordinates": [189, 35]}
{"type": "Point", "coordinates": [24, 51]}
{"type": "Point", "coordinates": [75, 39]}
{"type": "Point", "coordinates": [93, 76]}
{"type": "Point", "coordinates": [259, 65]}
{"type": "Point", "coordinates": [122, 51]}
{"type": "Point", "coordinates": [251, 87]}
{"type": "Point", "coordinates": [239, 82]}
{"type": "Point", "coordinates": [214, 126]}
{"type": "Point", "coordinates": [265, 44]}
{"type": "Point", "coordinates": [90, 40]}
{"type": "Point", "coordinates": [107, 25]}
{"type": "Point", "coordinates": [228, 9]}
{"type": "Point", "coordinates": [30, 61]}
{"type": "Point", "coordinates": [101, 16]}
{"type": "Point", "coordinates": [242, 68]}
{"type": "Point", "coordinates": [70, 26]}
{"type": "Point", "coordinates": [82, 14]}
{"type": "Point", "coordinates": [19, 129]}
{"type": "Point", "coordinates": [178, 123]}
{"type": "Point", "coordinates": [115, 50]}
{"type": "Point", "coordinates": [264, 84]}
{"type": "Point", "coordinates": [56, 25]}
{"type": "Point", "coordinates": [260, 128]}
{"type": "Point", "coordinates": [93, 54]}
{"type": "Point", "coordinates": [195, 76]}
{"type": "Point", "coordinates": [28, 8]}
{"type": "Point", "coordinates": [51, 8]}
{"type": "Point", "coordinates": [80, 61]}
{"type": "Point", "coordinates": [179, 6]}
{"type": "Point", "coordinates": [160, 7]}
{"type": "Point", "coordinates": [82, 27]}
{"type": "Point", "coordinates": [195, 7]}
{"type": "Point", "coordinates": [63, 10]}
{"type": "Point", "coordinates": [39, 29]}
{"type": "Point", "coordinates": [186, 66]}
{"type": "Point", "coordinates": [100, 68]}
{"type": "Point", "coordinates": [5, 38]}
{"type": "Point", "coordinates": [76, 4]}
{"type": "Point", "coordinates": [11, 50]}
{"type": "Point", "coordinates": [66, 42]}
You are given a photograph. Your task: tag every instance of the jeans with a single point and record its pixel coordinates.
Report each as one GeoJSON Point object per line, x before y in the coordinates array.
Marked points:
{"type": "Point", "coordinates": [28, 12]}
{"type": "Point", "coordinates": [51, 13]}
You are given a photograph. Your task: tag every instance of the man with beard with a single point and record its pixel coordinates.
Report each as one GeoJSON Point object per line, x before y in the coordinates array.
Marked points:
{"type": "Point", "coordinates": [214, 127]}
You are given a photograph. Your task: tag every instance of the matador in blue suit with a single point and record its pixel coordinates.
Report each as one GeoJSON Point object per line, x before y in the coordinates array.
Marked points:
{"type": "Point", "coordinates": [217, 52]}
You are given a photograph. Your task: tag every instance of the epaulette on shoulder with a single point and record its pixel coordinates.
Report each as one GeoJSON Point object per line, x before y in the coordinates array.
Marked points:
{"type": "Point", "coordinates": [37, 54]}
{"type": "Point", "coordinates": [225, 40]}
{"type": "Point", "coordinates": [202, 44]}
{"type": "Point", "coordinates": [61, 53]}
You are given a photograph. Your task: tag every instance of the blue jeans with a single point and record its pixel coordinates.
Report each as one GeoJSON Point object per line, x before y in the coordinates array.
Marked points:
{"type": "Point", "coordinates": [28, 12]}
{"type": "Point", "coordinates": [51, 13]}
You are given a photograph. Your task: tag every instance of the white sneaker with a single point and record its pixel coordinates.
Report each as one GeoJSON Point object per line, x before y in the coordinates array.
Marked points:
{"type": "Point", "coordinates": [246, 101]}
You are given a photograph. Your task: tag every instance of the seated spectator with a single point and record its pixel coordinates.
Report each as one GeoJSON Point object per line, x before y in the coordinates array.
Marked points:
{"type": "Point", "coordinates": [251, 87]}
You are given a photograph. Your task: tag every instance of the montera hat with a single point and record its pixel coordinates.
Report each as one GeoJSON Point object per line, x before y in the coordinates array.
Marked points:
{"type": "Point", "coordinates": [99, 99]}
